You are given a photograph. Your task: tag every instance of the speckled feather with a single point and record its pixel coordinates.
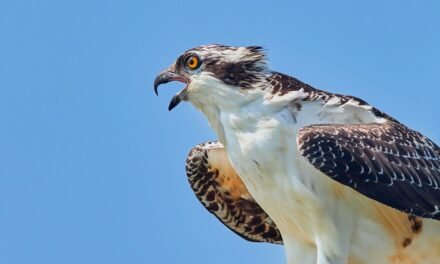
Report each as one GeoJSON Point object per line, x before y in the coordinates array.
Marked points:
{"type": "Point", "coordinates": [386, 162]}
{"type": "Point", "coordinates": [223, 194]}
{"type": "Point", "coordinates": [280, 84]}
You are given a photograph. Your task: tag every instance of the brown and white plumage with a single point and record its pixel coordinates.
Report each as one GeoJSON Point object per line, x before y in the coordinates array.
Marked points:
{"type": "Point", "coordinates": [343, 181]}
{"type": "Point", "coordinates": [386, 162]}
{"type": "Point", "coordinates": [220, 190]}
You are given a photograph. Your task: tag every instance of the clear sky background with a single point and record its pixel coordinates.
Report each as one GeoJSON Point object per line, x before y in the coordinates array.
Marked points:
{"type": "Point", "coordinates": [92, 162]}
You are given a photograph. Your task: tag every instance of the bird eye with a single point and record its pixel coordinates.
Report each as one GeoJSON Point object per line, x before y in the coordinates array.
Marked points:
{"type": "Point", "coordinates": [192, 62]}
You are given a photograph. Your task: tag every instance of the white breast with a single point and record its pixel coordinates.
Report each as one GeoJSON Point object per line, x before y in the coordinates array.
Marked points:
{"type": "Point", "coordinates": [259, 133]}
{"type": "Point", "coordinates": [262, 144]}
{"type": "Point", "coordinates": [262, 148]}
{"type": "Point", "coordinates": [263, 151]}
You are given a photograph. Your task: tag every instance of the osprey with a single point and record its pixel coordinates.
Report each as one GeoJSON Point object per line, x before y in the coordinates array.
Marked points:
{"type": "Point", "coordinates": [331, 177]}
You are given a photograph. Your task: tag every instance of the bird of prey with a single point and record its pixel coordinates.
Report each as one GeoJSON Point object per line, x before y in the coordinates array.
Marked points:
{"type": "Point", "coordinates": [331, 177]}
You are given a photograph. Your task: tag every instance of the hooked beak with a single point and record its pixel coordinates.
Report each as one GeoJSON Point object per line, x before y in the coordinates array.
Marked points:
{"type": "Point", "coordinates": [169, 75]}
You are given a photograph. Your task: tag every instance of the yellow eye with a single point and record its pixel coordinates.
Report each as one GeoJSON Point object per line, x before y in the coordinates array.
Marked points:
{"type": "Point", "coordinates": [193, 62]}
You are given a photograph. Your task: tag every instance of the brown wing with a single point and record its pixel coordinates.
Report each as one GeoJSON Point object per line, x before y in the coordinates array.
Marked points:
{"type": "Point", "coordinates": [222, 193]}
{"type": "Point", "coordinates": [387, 162]}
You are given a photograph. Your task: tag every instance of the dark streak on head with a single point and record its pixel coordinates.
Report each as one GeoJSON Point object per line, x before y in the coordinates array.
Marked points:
{"type": "Point", "coordinates": [241, 74]}
{"type": "Point", "coordinates": [221, 61]}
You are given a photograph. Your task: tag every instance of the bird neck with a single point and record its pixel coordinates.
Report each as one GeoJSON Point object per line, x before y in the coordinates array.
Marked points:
{"type": "Point", "coordinates": [242, 119]}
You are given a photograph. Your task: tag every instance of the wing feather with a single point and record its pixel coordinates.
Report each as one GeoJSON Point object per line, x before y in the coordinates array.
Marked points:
{"type": "Point", "coordinates": [222, 193]}
{"type": "Point", "coordinates": [387, 162]}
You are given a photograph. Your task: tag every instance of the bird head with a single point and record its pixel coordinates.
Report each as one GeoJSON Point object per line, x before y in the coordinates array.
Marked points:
{"type": "Point", "coordinates": [216, 75]}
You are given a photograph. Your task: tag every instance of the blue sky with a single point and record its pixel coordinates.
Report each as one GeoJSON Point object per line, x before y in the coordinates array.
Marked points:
{"type": "Point", "coordinates": [92, 164]}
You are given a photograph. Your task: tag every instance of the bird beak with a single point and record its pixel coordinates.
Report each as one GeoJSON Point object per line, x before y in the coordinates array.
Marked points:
{"type": "Point", "coordinates": [169, 75]}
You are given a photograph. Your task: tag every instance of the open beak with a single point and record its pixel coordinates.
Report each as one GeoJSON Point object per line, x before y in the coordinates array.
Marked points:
{"type": "Point", "coordinates": [169, 75]}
